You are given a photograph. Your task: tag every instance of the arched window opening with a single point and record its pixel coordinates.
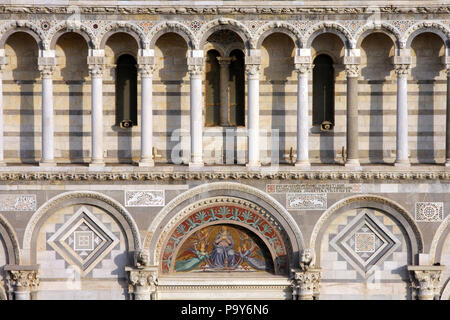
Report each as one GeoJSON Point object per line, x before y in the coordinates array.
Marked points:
{"type": "Point", "coordinates": [126, 91]}
{"type": "Point", "coordinates": [237, 89]}
{"type": "Point", "coordinates": [212, 89]}
{"type": "Point", "coordinates": [323, 92]}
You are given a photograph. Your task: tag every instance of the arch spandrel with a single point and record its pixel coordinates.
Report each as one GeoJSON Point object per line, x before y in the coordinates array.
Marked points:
{"type": "Point", "coordinates": [224, 210]}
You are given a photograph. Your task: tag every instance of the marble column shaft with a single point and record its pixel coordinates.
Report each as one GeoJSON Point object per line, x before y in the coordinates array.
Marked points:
{"type": "Point", "coordinates": [352, 71]}
{"type": "Point", "coordinates": [224, 89]}
{"type": "Point", "coordinates": [146, 71]}
{"type": "Point", "coordinates": [96, 71]}
{"type": "Point", "coordinates": [253, 114]}
{"type": "Point", "coordinates": [196, 100]}
{"type": "Point", "coordinates": [447, 140]}
{"type": "Point", "coordinates": [303, 71]}
{"type": "Point", "coordinates": [402, 158]}
{"type": "Point", "coordinates": [2, 143]}
{"type": "Point", "coordinates": [47, 115]}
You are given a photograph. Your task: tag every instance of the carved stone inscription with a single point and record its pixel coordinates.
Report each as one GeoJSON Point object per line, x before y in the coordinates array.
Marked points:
{"type": "Point", "coordinates": [313, 188]}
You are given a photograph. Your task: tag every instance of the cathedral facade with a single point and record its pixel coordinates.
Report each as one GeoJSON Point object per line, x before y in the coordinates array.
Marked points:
{"type": "Point", "coordinates": [224, 150]}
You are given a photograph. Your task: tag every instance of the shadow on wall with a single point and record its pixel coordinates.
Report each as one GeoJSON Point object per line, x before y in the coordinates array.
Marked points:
{"type": "Point", "coordinates": [280, 67]}
{"type": "Point", "coordinates": [424, 73]}
{"type": "Point", "coordinates": [171, 74]}
{"type": "Point", "coordinates": [378, 68]}
{"type": "Point", "coordinates": [73, 75]}
{"type": "Point", "coordinates": [26, 75]}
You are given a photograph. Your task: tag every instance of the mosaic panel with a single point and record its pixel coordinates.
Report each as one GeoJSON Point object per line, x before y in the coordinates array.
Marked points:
{"type": "Point", "coordinates": [365, 242]}
{"type": "Point", "coordinates": [144, 198]}
{"type": "Point", "coordinates": [429, 211]}
{"type": "Point", "coordinates": [83, 241]}
{"type": "Point", "coordinates": [17, 202]}
{"type": "Point", "coordinates": [223, 248]}
{"type": "Point", "coordinates": [301, 201]}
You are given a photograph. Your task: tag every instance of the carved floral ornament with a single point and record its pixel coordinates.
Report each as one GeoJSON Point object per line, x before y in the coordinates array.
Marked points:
{"type": "Point", "coordinates": [23, 278]}
{"type": "Point", "coordinates": [224, 210]}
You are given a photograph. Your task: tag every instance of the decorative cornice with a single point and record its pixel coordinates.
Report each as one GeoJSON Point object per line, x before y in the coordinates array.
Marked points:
{"type": "Point", "coordinates": [141, 175]}
{"type": "Point", "coordinates": [218, 10]}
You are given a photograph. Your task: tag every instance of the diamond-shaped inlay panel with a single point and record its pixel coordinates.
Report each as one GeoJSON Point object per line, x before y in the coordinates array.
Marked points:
{"type": "Point", "coordinates": [83, 241]}
{"type": "Point", "coordinates": [365, 242]}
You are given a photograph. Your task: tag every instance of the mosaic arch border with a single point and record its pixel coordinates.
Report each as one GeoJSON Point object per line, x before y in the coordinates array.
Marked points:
{"type": "Point", "coordinates": [277, 247]}
{"type": "Point", "coordinates": [371, 201]}
{"type": "Point", "coordinates": [165, 219]}
{"type": "Point", "coordinates": [12, 243]}
{"type": "Point", "coordinates": [111, 206]}
{"type": "Point", "coordinates": [438, 240]}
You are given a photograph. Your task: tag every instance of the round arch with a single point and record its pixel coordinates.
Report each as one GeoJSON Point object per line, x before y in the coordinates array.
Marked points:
{"type": "Point", "coordinates": [28, 28]}
{"type": "Point", "coordinates": [172, 27]}
{"type": "Point", "coordinates": [438, 240]}
{"type": "Point", "coordinates": [225, 24]}
{"type": "Point", "coordinates": [126, 28]}
{"type": "Point", "coordinates": [370, 29]}
{"type": "Point", "coordinates": [98, 199]}
{"type": "Point", "coordinates": [61, 29]}
{"type": "Point", "coordinates": [278, 27]}
{"type": "Point", "coordinates": [369, 201]}
{"type": "Point", "coordinates": [9, 236]}
{"type": "Point", "coordinates": [425, 27]}
{"type": "Point", "coordinates": [329, 27]}
{"type": "Point", "coordinates": [169, 215]}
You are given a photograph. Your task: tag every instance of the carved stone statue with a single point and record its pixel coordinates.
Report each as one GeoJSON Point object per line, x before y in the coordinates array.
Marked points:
{"type": "Point", "coordinates": [307, 259]}
{"type": "Point", "coordinates": [142, 258]}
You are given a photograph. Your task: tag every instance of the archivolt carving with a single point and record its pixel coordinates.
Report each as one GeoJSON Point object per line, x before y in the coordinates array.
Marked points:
{"type": "Point", "coordinates": [172, 26]}
{"type": "Point", "coordinates": [210, 187]}
{"type": "Point", "coordinates": [236, 26]}
{"type": "Point", "coordinates": [425, 26]}
{"type": "Point", "coordinates": [54, 33]}
{"type": "Point", "coordinates": [60, 199]}
{"type": "Point", "coordinates": [438, 237]}
{"type": "Point", "coordinates": [386, 28]}
{"type": "Point", "coordinates": [344, 202]}
{"type": "Point", "coordinates": [340, 30]}
{"type": "Point", "coordinates": [14, 241]}
{"type": "Point", "coordinates": [7, 29]}
{"type": "Point", "coordinates": [277, 26]}
{"type": "Point", "coordinates": [126, 27]}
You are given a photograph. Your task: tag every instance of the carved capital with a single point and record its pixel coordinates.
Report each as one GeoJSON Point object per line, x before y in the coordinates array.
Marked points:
{"type": "Point", "coordinates": [224, 61]}
{"type": "Point", "coordinates": [303, 67]}
{"type": "Point", "coordinates": [144, 281]}
{"type": "Point", "coordinates": [426, 280]}
{"type": "Point", "coordinates": [196, 70]}
{"type": "Point", "coordinates": [306, 283]}
{"type": "Point", "coordinates": [253, 70]}
{"type": "Point", "coordinates": [22, 278]}
{"type": "Point", "coordinates": [96, 70]}
{"type": "Point", "coordinates": [402, 70]}
{"type": "Point", "coordinates": [146, 70]}
{"type": "Point", "coordinates": [352, 70]}
{"type": "Point", "coordinates": [46, 71]}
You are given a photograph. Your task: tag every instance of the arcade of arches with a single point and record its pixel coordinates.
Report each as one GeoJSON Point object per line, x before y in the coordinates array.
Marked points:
{"type": "Point", "coordinates": [165, 151]}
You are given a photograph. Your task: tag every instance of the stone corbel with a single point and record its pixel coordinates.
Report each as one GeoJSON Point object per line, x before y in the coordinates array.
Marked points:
{"type": "Point", "coordinates": [23, 280]}
{"type": "Point", "coordinates": [426, 280]}
{"type": "Point", "coordinates": [306, 283]}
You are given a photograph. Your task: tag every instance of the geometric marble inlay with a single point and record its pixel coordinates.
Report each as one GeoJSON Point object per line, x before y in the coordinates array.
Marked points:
{"type": "Point", "coordinates": [429, 211]}
{"type": "Point", "coordinates": [83, 241]}
{"type": "Point", "coordinates": [365, 242]}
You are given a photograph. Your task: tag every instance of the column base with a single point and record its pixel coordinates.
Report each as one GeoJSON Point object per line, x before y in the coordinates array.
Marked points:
{"type": "Point", "coordinates": [196, 165]}
{"type": "Point", "coordinates": [95, 164]}
{"type": "Point", "coordinates": [352, 163]}
{"type": "Point", "coordinates": [146, 163]}
{"type": "Point", "coordinates": [402, 163]}
{"type": "Point", "coordinates": [47, 164]}
{"type": "Point", "coordinates": [253, 165]}
{"type": "Point", "coordinates": [303, 164]}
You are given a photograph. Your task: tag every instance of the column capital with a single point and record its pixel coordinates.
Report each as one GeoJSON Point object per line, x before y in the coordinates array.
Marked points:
{"type": "Point", "coordinates": [46, 66]}
{"type": "Point", "coordinates": [402, 70]}
{"type": "Point", "coordinates": [352, 70]}
{"type": "Point", "coordinates": [306, 283]}
{"type": "Point", "coordinates": [144, 281]}
{"type": "Point", "coordinates": [3, 63]}
{"type": "Point", "coordinates": [225, 61]}
{"type": "Point", "coordinates": [23, 278]}
{"type": "Point", "coordinates": [303, 68]}
{"type": "Point", "coordinates": [96, 65]}
{"type": "Point", "coordinates": [253, 70]}
{"type": "Point", "coordinates": [146, 70]}
{"type": "Point", "coordinates": [426, 280]}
